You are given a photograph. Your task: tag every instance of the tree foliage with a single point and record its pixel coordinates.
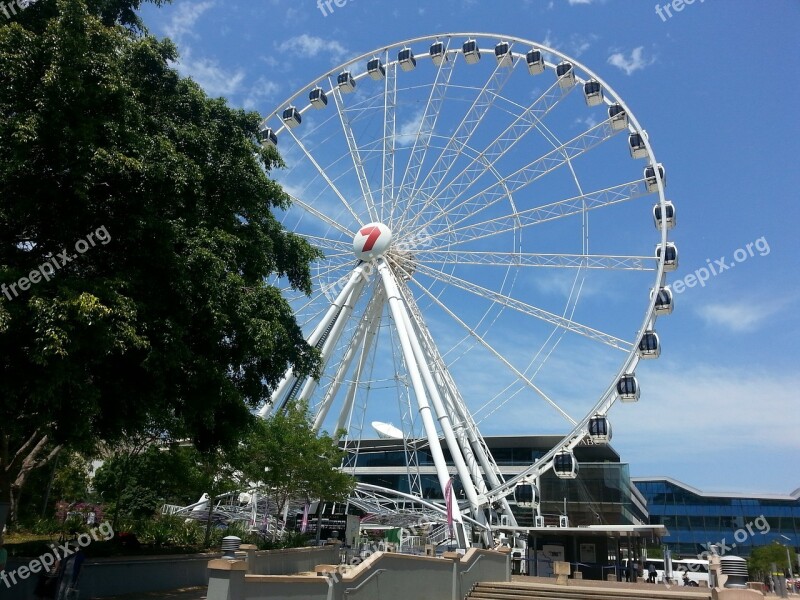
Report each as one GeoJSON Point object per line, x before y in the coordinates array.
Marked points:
{"type": "Point", "coordinates": [762, 558]}
{"type": "Point", "coordinates": [170, 325]}
{"type": "Point", "coordinates": [288, 460]}
{"type": "Point", "coordinates": [137, 485]}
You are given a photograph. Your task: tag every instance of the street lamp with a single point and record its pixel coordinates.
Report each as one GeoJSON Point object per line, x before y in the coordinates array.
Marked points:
{"type": "Point", "coordinates": [788, 556]}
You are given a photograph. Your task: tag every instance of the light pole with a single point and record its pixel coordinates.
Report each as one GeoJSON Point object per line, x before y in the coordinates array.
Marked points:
{"type": "Point", "coordinates": [788, 556]}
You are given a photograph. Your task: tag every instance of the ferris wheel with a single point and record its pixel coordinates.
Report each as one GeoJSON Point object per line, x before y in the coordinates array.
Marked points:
{"type": "Point", "coordinates": [486, 209]}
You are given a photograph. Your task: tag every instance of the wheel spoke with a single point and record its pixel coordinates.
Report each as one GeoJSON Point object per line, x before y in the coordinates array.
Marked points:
{"type": "Point", "coordinates": [526, 122]}
{"type": "Point", "coordinates": [427, 125]}
{"type": "Point", "coordinates": [320, 215]}
{"type": "Point", "coordinates": [474, 116]}
{"type": "Point", "coordinates": [355, 153]}
{"type": "Point", "coordinates": [526, 309]}
{"type": "Point", "coordinates": [520, 179]}
{"type": "Point", "coordinates": [534, 259]}
{"type": "Point", "coordinates": [389, 135]}
{"type": "Point", "coordinates": [521, 376]}
{"type": "Point", "coordinates": [542, 214]}
{"type": "Point", "coordinates": [325, 176]}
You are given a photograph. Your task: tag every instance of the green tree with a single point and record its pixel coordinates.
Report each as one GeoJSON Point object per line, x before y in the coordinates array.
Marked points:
{"type": "Point", "coordinates": [65, 479]}
{"type": "Point", "coordinates": [287, 459]}
{"type": "Point", "coordinates": [762, 557]}
{"type": "Point", "coordinates": [135, 483]}
{"type": "Point", "coordinates": [167, 321]}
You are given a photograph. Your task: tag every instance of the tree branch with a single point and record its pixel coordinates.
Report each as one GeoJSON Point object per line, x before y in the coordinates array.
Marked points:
{"type": "Point", "coordinates": [22, 454]}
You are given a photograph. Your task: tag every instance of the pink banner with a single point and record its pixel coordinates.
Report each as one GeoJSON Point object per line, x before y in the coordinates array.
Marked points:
{"type": "Point", "coordinates": [448, 499]}
{"type": "Point", "coordinates": [304, 523]}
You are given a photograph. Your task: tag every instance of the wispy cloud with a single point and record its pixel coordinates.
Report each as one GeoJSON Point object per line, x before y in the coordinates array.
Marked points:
{"type": "Point", "coordinates": [311, 46]}
{"type": "Point", "coordinates": [632, 63]}
{"type": "Point", "coordinates": [184, 19]}
{"type": "Point", "coordinates": [736, 417]}
{"type": "Point", "coordinates": [215, 80]}
{"type": "Point", "coordinates": [262, 89]}
{"type": "Point", "coordinates": [207, 72]}
{"type": "Point", "coordinates": [407, 132]}
{"type": "Point", "coordinates": [741, 317]}
{"type": "Point", "coordinates": [575, 45]}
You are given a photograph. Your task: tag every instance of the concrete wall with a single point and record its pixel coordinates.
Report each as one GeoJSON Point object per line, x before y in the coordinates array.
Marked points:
{"type": "Point", "coordinates": [115, 576]}
{"type": "Point", "coordinates": [383, 576]}
{"type": "Point", "coordinates": [105, 577]}
{"type": "Point", "coordinates": [290, 561]}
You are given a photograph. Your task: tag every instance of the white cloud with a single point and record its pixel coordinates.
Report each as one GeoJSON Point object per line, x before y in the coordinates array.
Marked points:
{"type": "Point", "coordinates": [738, 317]}
{"type": "Point", "coordinates": [309, 46]}
{"type": "Point", "coordinates": [407, 132]}
{"type": "Point", "coordinates": [214, 79]}
{"type": "Point", "coordinates": [733, 420]}
{"type": "Point", "coordinates": [634, 62]}
{"type": "Point", "coordinates": [183, 20]}
{"type": "Point", "coordinates": [262, 89]}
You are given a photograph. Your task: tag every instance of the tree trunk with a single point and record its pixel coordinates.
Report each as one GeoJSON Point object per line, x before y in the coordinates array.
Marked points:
{"type": "Point", "coordinates": [14, 471]}
{"type": "Point", "coordinates": [4, 508]}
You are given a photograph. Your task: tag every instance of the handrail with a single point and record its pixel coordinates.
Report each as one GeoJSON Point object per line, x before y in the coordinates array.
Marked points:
{"type": "Point", "coordinates": [358, 587]}
{"type": "Point", "coordinates": [464, 572]}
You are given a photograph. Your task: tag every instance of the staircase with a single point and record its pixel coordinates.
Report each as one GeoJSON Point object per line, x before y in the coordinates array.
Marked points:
{"type": "Point", "coordinates": [546, 589]}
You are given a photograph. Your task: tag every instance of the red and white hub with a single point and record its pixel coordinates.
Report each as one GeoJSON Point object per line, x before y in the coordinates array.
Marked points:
{"type": "Point", "coordinates": [372, 241]}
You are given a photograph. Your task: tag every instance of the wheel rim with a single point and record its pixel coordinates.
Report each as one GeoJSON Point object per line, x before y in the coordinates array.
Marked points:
{"type": "Point", "coordinates": [484, 188]}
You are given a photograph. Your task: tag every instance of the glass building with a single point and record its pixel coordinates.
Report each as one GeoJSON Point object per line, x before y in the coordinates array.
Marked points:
{"type": "Point", "coordinates": [602, 494]}
{"type": "Point", "coordinates": [738, 522]}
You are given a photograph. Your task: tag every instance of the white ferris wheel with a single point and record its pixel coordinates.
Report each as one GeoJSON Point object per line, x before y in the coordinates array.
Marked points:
{"type": "Point", "coordinates": [490, 255]}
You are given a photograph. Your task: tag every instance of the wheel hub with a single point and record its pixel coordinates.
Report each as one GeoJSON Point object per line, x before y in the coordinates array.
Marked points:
{"type": "Point", "coordinates": [372, 241]}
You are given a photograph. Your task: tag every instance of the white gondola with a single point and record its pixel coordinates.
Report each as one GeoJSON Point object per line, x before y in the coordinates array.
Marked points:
{"type": "Point", "coordinates": [628, 388]}
{"type": "Point", "coordinates": [618, 116]}
{"type": "Point", "coordinates": [670, 256]}
{"type": "Point", "coordinates": [651, 179]}
{"type": "Point", "coordinates": [535, 61]}
{"type": "Point", "coordinates": [375, 69]}
{"type": "Point", "coordinates": [406, 59]}
{"type": "Point", "coordinates": [599, 429]}
{"type": "Point", "coordinates": [472, 54]}
{"type": "Point", "coordinates": [668, 215]}
{"type": "Point", "coordinates": [318, 98]}
{"type": "Point", "coordinates": [636, 145]}
{"type": "Point", "coordinates": [438, 53]}
{"type": "Point", "coordinates": [526, 495]}
{"type": "Point", "coordinates": [565, 74]}
{"type": "Point", "coordinates": [649, 345]}
{"type": "Point", "coordinates": [346, 82]}
{"type": "Point", "coordinates": [267, 137]}
{"type": "Point", "coordinates": [664, 302]}
{"type": "Point", "coordinates": [565, 466]}
{"type": "Point", "coordinates": [292, 118]}
{"type": "Point", "coordinates": [593, 92]}
{"type": "Point", "coordinates": [502, 52]}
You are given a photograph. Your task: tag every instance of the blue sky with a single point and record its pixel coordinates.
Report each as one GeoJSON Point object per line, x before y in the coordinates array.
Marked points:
{"type": "Point", "coordinates": [716, 87]}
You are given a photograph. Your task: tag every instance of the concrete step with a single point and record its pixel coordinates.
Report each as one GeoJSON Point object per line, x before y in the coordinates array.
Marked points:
{"type": "Point", "coordinates": [585, 591]}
